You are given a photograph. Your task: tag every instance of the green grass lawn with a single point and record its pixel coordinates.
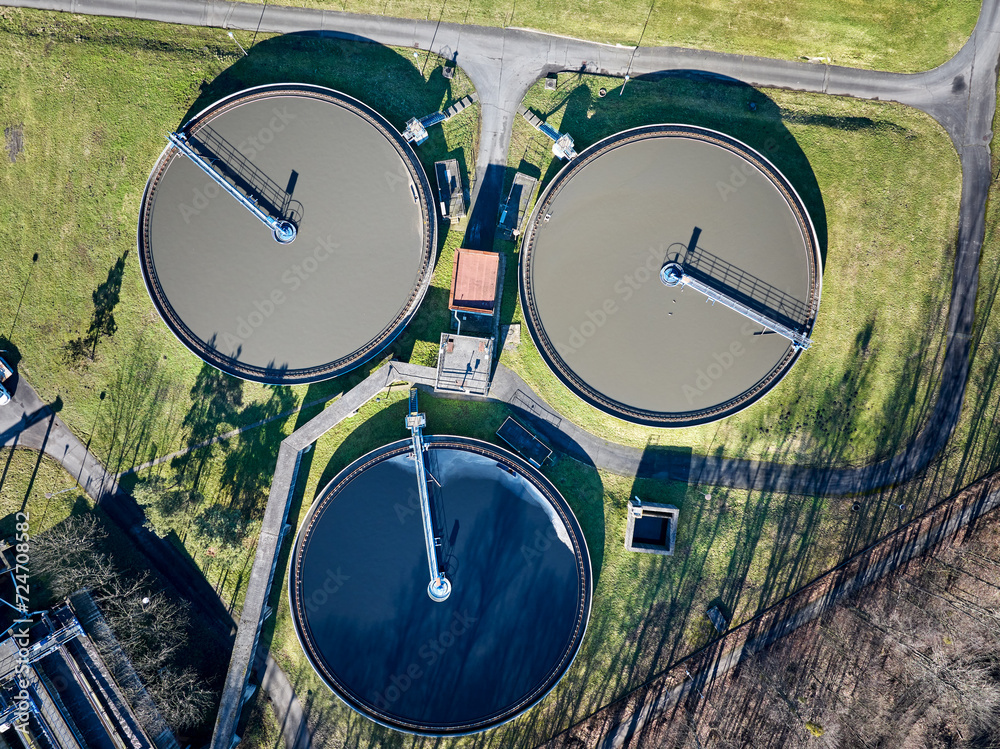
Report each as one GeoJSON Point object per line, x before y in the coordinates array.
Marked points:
{"type": "Point", "coordinates": [35, 483]}
{"type": "Point", "coordinates": [883, 34]}
{"type": "Point", "coordinates": [742, 550]}
{"type": "Point", "coordinates": [91, 100]}
{"type": "Point", "coordinates": [882, 183]}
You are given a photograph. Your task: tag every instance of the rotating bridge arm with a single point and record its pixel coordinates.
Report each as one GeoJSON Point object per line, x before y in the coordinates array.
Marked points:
{"type": "Point", "coordinates": [440, 587]}
{"type": "Point", "coordinates": [284, 231]}
{"type": "Point", "coordinates": [672, 274]}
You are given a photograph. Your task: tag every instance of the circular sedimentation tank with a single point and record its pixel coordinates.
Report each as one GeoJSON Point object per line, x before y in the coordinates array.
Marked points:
{"type": "Point", "coordinates": [520, 599]}
{"type": "Point", "coordinates": [636, 342]}
{"type": "Point", "coordinates": [355, 235]}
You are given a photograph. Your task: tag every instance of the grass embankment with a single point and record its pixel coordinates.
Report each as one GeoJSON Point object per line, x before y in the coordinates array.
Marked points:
{"type": "Point", "coordinates": [884, 34]}
{"type": "Point", "coordinates": [882, 183]}
{"type": "Point", "coordinates": [35, 483]}
{"type": "Point", "coordinates": [85, 105]}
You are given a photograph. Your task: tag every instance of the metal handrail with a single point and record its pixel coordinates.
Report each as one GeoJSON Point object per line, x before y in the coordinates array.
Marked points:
{"type": "Point", "coordinates": [440, 587]}
{"type": "Point", "coordinates": [284, 231]}
{"type": "Point", "coordinates": [672, 274]}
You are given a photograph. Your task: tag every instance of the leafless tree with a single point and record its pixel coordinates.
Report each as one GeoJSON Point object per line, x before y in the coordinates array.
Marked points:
{"type": "Point", "coordinates": [66, 558]}
{"type": "Point", "coordinates": [182, 697]}
{"type": "Point", "coordinates": [150, 627]}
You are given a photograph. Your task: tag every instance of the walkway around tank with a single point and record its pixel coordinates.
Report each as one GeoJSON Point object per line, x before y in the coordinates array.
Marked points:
{"type": "Point", "coordinates": [237, 688]}
{"type": "Point", "coordinates": [504, 63]}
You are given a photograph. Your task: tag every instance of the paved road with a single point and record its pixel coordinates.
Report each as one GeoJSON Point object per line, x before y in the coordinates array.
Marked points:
{"type": "Point", "coordinates": [29, 422]}
{"type": "Point", "coordinates": [504, 63]}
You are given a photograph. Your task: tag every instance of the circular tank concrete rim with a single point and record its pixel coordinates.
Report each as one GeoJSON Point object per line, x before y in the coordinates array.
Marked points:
{"type": "Point", "coordinates": [580, 388]}
{"type": "Point", "coordinates": [355, 360]}
{"type": "Point", "coordinates": [541, 482]}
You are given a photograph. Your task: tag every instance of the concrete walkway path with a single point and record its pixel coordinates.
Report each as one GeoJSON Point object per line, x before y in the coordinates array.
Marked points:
{"type": "Point", "coordinates": [29, 422]}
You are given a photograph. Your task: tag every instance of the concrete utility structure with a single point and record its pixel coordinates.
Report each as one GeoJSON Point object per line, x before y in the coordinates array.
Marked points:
{"type": "Point", "coordinates": [465, 361]}
{"type": "Point", "coordinates": [651, 527]}
{"type": "Point", "coordinates": [670, 275]}
{"type": "Point", "coordinates": [507, 543]}
{"type": "Point", "coordinates": [562, 143]}
{"type": "Point", "coordinates": [348, 203]}
{"type": "Point", "coordinates": [451, 194]}
{"type": "Point", "coordinates": [465, 364]}
{"type": "Point", "coordinates": [516, 205]}
{"type": "Point", "coordinates": [57, 692]}
{"type": "Point", "coordinates": [515, 434]}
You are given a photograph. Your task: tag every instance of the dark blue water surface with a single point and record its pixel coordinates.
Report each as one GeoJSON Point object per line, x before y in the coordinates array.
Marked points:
{"type": "Point", "coordinates": [516, 615]}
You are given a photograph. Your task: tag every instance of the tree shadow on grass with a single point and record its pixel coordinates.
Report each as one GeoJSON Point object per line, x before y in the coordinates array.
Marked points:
{"type": "Point", "coordinates": [980, 452]}
{"type": "Point", "coordinates": [744, 549]}
{"type": "Point", "coordinates": [215, 402]}
{"type": "Point", "coordinates": [133, 404]}
{"type": "Point", "coordinates": [695, 98]}
{"type": "Point", "coordinates": [386, 80]}
{"type": "Point", "coordinates": [251, 456]}
{"type": "Point", "coordinates": [102, 321]}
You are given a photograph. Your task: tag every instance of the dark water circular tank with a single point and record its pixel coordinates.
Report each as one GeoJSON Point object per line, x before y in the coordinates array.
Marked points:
{"type": "Point", "coordinates": [520, 600]}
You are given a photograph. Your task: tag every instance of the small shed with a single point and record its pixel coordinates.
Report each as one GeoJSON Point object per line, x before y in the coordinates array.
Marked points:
{"type": "Point", "coordinates": [474, 282]}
